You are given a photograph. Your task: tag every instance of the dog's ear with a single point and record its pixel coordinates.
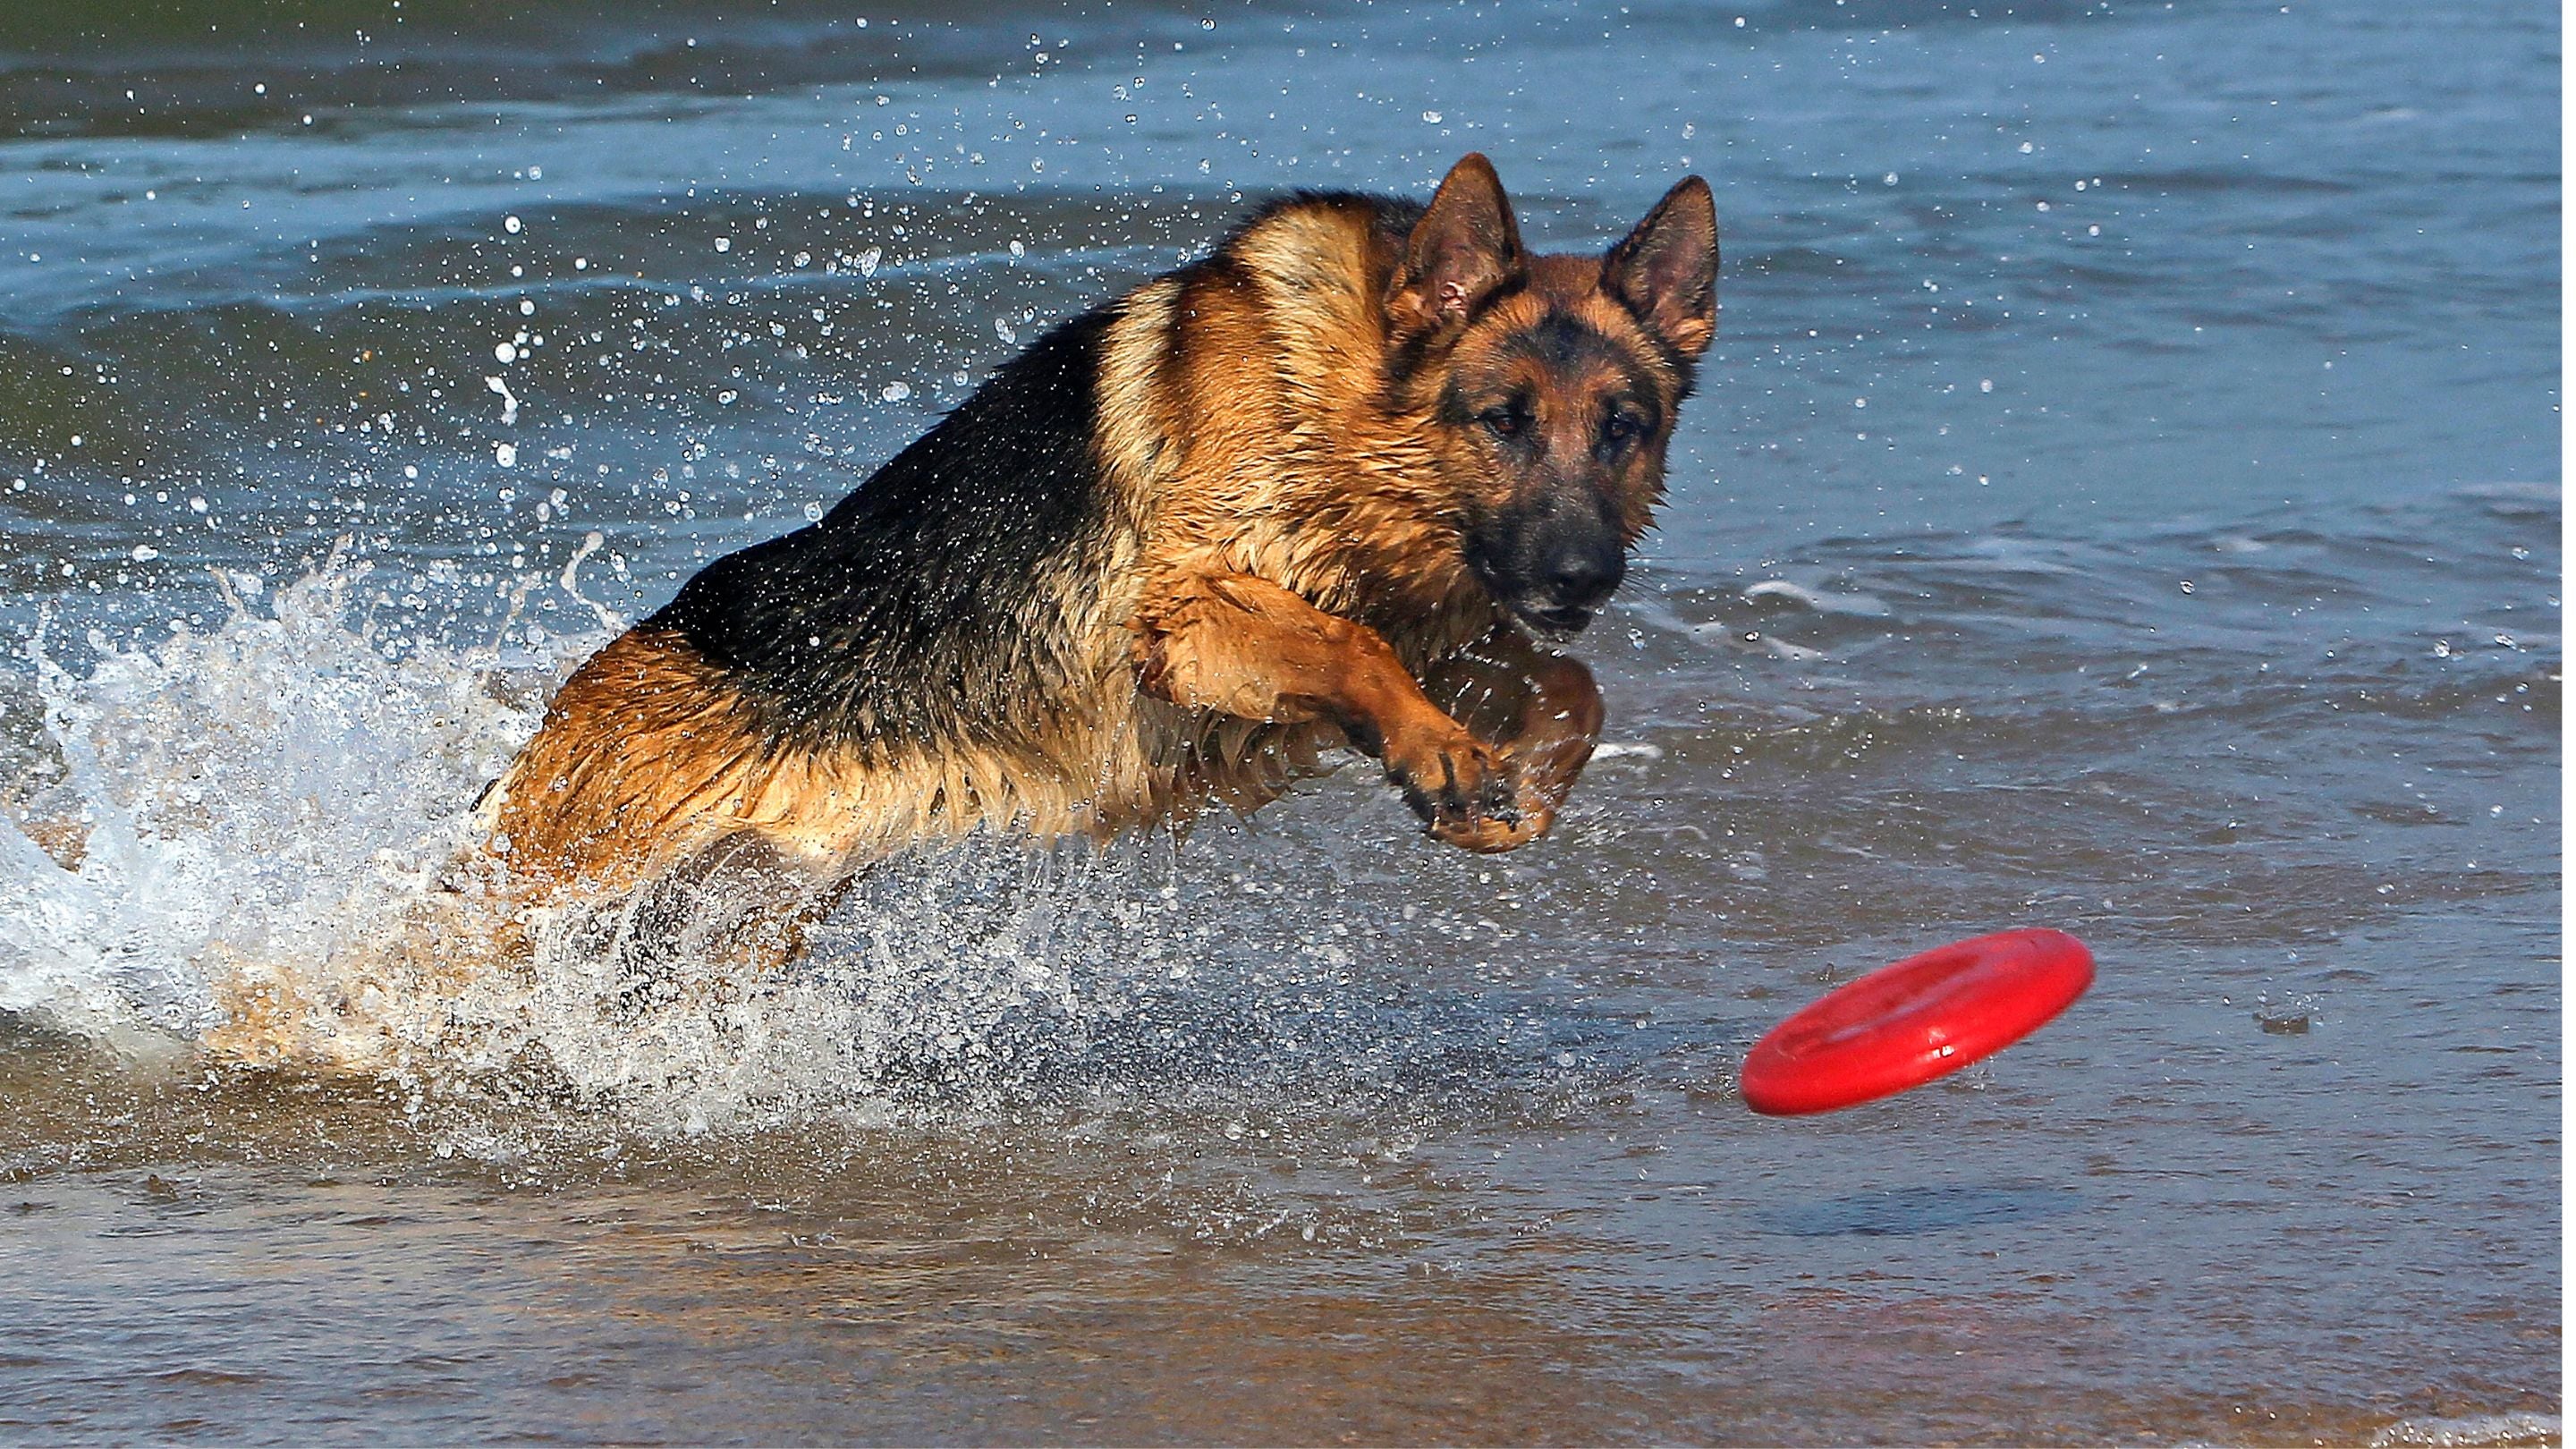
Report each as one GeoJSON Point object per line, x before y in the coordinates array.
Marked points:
{"type": "Point", "coordinates": [1465, 246]}
{"type": "Point", "coordinates": [1666, 270]}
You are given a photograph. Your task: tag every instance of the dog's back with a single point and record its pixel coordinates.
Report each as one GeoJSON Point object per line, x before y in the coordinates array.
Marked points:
{"type": "Point", "coordinates": [943, 601]}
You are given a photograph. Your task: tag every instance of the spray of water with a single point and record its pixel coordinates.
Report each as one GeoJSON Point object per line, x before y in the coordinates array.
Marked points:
{"type": "Point", "coordinates": [259, 848]}
{"type": "Point", "coordinates": [248, 799]}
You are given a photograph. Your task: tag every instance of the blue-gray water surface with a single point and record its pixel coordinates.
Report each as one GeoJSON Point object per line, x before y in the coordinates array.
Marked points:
{"type": "Point", "coordinates": [2123, 497]}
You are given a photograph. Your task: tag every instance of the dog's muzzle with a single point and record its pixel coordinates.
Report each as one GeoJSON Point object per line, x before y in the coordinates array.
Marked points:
{"type": "Point", "coordinates": [1554, 571]}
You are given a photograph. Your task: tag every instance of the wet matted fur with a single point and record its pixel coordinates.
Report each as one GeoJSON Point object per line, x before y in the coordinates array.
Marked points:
{"type": "Point", "coordinates": [1334, 484]}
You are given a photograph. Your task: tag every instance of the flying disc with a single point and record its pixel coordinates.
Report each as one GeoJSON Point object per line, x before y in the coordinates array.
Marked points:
{"type": "Point", "coordinates": [1922, 1018]}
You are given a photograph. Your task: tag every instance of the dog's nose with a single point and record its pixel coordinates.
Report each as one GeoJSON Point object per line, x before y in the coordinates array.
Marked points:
{"type": "Point", "coordinates": [1581, 572]}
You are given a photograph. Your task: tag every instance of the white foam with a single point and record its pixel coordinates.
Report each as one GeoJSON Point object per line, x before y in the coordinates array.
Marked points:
{"type": "Point", "coordinates": [1618, 750]}
{"type": "Point", "coordinates": [1864, 606]}
{"type": "Point", "coordinates": [2483, 1429]}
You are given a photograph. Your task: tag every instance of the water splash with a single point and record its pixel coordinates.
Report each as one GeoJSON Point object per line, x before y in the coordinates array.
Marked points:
{"type": "Point", "coordinates": [260, 847]}
{"type": "Point", "coordinates": [239, 808]}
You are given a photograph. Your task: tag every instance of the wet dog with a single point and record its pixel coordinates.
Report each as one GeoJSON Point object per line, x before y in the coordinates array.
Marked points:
{"type": "Point", "coordinates": [1339, 483]}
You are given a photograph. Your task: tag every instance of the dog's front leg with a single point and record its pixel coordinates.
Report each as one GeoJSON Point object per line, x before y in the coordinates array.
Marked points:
{"type": "Point", "coordinates": [1244, 646]}
{"type": "Point", "coordinates": [1542, 709]}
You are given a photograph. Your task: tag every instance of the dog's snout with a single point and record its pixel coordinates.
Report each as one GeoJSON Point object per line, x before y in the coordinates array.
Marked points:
{"type": "Point", "coordinates": [1582, 568]}
{"type": "Point", "coordinates": [1554, 565]}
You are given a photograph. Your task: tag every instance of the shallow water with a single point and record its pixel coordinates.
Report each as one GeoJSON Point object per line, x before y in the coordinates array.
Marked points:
{"type": "Point", "coordinates": [2124, 497]}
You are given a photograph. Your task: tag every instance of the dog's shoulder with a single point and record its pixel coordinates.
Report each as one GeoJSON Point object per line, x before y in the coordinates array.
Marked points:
{"type": "Point", "coordinates": [1391, 217]}
{"type": "Point", "coordinates": [1330, 241]}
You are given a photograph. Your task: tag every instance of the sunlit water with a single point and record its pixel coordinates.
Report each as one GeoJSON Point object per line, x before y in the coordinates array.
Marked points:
{"type": "Point", "coordinates": [2123, 497]}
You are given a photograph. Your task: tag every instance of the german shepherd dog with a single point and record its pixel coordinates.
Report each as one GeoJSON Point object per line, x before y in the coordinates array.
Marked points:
{"type": "Point", "coordinates": [1333, 484]}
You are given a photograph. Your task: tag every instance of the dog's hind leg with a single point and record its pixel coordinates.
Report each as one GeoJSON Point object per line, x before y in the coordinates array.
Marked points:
{"type": "Point", "coordinates": [1244, 646]}
{"type": "Point", "coordinates": [736, 910]}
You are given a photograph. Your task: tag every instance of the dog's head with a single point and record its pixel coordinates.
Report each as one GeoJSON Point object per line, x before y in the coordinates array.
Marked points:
{"type": "Point", "coordinates": [1550, 383]}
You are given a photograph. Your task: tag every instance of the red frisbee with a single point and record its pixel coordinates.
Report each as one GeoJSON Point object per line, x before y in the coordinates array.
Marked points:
{"type": "Point", "coordinates": [1924, 1017]}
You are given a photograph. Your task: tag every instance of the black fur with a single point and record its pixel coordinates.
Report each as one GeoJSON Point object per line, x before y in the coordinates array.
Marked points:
{"type": "Point", "coordinates": [919, 611]}
{"type": "Point", "coordinates": [1396, 215]}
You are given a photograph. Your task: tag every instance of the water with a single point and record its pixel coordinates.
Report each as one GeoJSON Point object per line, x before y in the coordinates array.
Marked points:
{"type": "Point", "coordinates": [2124, 498]}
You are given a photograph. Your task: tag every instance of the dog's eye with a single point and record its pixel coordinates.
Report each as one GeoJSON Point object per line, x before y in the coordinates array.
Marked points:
{"type": "Point", "coordinates": [1506, 421]}
{"type": "Point", "coordinates": [1620, 429]}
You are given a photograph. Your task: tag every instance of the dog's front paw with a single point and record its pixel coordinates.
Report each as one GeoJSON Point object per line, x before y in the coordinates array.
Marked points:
{"type": "Point", "coordinates": [1465, 792]}
{"type": "Point", "coordinates": [1516, 824]}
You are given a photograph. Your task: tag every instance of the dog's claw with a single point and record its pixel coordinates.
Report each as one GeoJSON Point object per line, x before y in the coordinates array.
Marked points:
{"type": "Point", "coordinates": [1476, 805]}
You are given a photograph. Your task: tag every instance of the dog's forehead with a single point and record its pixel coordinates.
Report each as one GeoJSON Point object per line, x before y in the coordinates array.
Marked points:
{"type": "Point", "coordinates": [1563, 328]}
{"type": "Point", "coordinates": [1565, 279]}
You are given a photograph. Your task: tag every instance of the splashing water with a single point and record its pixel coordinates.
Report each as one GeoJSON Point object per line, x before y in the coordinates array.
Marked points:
{"type": "Point", "coordinates": [261, 845]}
{"type": "Point", "coordinates": [242, 807]}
